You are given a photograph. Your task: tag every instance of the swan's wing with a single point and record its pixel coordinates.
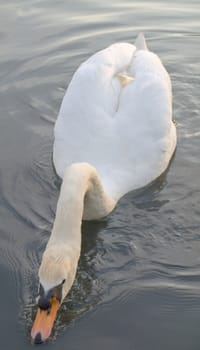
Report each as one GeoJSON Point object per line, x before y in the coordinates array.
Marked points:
{"type": "Point", "coordinates": [88, 108]}
{"type": "Point", "coordinates": [147, 101]}
{"type": "Point", "coordinates": [144, 123]}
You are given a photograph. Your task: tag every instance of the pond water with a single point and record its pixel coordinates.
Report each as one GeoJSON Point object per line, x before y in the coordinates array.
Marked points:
{"type": "Point", "coordinates": [138, 281]}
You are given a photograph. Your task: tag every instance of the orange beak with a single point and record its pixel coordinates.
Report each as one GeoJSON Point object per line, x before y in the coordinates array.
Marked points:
{"type": "Point", "coordinates": [44, 322]}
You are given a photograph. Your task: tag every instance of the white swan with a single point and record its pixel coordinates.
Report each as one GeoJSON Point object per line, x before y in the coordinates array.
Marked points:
{"type": "Point", "coordinates": [116, 116]}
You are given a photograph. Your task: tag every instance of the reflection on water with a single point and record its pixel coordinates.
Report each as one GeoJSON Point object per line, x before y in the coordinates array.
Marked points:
{"type": "Point", "coordinates": [137, 285]}
{"type": "Point", "coordinates": [87, 289]}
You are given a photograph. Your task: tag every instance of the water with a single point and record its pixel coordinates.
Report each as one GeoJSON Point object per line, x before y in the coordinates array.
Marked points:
{"type": "Point", "coordinates": [138, 282]}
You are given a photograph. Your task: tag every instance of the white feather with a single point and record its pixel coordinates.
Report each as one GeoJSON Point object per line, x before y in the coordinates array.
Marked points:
{"type": "Point", "coordinates": [124, 130]}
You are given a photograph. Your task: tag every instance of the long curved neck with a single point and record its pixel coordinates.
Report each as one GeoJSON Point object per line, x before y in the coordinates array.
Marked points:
{"type": "Point", "coordinates": [81, 197]}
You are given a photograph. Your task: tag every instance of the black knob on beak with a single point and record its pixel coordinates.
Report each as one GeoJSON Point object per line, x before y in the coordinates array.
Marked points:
{"type": "Point", "coordinates": [44, 304]}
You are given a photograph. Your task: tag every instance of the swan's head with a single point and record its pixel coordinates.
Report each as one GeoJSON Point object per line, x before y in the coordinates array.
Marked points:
{"type": "Point", "coordinates": [56, 275]}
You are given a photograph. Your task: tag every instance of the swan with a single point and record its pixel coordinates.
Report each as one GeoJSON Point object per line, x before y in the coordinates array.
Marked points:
{"type": "Point", "coordinates": [114, 133]}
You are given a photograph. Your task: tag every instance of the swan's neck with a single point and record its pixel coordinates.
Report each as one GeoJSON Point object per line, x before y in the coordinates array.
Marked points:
{"type": "Point", "coordinates": [81, 197]}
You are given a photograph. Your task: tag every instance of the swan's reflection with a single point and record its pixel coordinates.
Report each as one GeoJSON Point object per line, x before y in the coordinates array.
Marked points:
{"type": "Point", "coordinates": [86, 291]}
{"type": "Point", "coordinates": [148, 197]}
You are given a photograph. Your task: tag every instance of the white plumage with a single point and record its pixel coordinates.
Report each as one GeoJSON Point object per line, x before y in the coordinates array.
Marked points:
{"type": "Point", "coordinates": [117, 116]}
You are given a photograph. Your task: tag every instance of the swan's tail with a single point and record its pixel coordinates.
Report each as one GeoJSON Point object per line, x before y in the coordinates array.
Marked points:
{"type": "Point", "coordinates": [140, 42]}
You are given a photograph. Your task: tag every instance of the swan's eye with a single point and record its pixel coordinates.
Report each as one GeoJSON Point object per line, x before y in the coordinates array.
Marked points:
{"type": "Point", "coordinates": [41, 290]}
{"type": "Point", "coordinates": [63, 281]}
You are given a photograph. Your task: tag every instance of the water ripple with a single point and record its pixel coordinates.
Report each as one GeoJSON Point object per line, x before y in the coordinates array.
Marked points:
{"type": "Point", "coordinates": [146, 253]}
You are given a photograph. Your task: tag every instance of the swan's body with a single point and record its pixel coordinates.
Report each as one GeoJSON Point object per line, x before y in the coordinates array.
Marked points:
{"type": "Point", "coordinates": [125, 132]}
{"type": "Point", "coordinates": [117, 116]}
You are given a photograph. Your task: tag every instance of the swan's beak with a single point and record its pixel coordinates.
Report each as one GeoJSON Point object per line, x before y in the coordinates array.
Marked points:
{"type": "Point", "coordinates": [44, 321]}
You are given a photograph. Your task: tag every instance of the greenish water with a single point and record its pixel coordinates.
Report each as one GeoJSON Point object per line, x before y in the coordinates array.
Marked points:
{"type": "Point", "coordinates": [138, 282]}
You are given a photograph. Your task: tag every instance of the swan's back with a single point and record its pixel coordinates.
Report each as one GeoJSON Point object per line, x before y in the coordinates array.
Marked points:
{"type": "Point", "coordinates": [117, 115]}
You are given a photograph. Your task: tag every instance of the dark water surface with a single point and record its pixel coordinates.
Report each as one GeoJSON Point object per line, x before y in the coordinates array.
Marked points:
{"type": "Point", "coordinates": [138, 282]}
